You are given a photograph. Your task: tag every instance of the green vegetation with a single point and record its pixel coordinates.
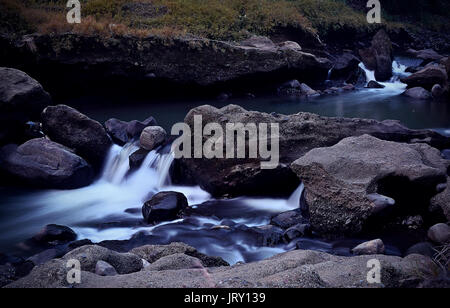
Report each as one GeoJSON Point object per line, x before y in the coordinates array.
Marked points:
{"type": "Point", "coordinates": [218, 19]}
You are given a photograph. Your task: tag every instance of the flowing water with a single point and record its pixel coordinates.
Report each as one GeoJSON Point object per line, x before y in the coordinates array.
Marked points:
{"type": "Point", "coordinates": [109, 209]}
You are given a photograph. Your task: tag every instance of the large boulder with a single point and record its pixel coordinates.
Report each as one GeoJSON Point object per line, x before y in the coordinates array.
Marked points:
{"type": "Point", "coordinates": [439, 234]}
{"type": "Point", "coordinates": [21, 100]}
{"type": "Point", "coordinates": [164, 206]}
{"type": "Point", "coordinates": [427, 78]}
{"type": "Point", "coordinates": [44, 163]}
{"type": "Point", "coordinates": [427, 55]}
{"type": "Point", "coordinates": [294, 269]}
{"type": "Point", "coordinates": [210, 61]}
{"type": "Point", "coordinates": [344, 66]}
{"type": "Point", "coordinates": [299, 133]}
{"type": "Point", "coordinates": [55, 233]}
{"type": "Point", "coordinates": [75, 130]}
{"type": "Point", "coordinates": [378, 56]}
{"type": "Point", "coordinates": [340, 182]}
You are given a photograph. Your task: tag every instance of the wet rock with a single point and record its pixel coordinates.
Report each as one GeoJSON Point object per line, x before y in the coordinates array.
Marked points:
{"type": "Point", "coordinates": [21, 100]}
{"type": "Point", "coordinates": [55, 233]}
{"type": "Point", "coordinates": [294, 269]}
{"type": "Point", "coordinates": [288, 219]}
{"type": "Point", "coordinates": [124, 263]}
{"type": "Point", "coordinates": [43, 163]}
{"type": "Point", "coordinates": [295, 88]}
{"type": "Point", "coordinates": [344, 66]}
{"type": "Point", "coordinates": [299, 133]}
{"type": "Point", "coordinates": [445, 62]}
{"type": "Point", "coordinates": [164, 206]}
{"type": "Point", "coordinates": [152, 137]}
{"type": "Point", "coordinates": [417, 93]}
{"type": "Point", "coordinates": [296, 231]}
{"type": "Point", "coordinates": [152, 253]}
{"type": "Point", "coordinates": [413, 69]}
{"type": "Point", "coordinates": [103, 268]}
{"type": "Point", "coordinates": [437, 91]}
{"type": "Point", "coordinates": [380, 202]}
{"type": "Point", "coordinates": [175, 262]}
{"type": "Point", "coordinates": [135, 128]}
{"type": "Point", "coordinates": [423, 248]}
{"type": "Point", "coordinates": [73, 129]}
{"type": "Point", "coordinates": [373, 247]}
{"type": "Point", "coordinates": [289, 45]}
{"type": "Point", "coordinates": [427, 55]}
{"type": "Point", "coordinates": [440, 203]}
{"type": "Point", "coordinates": [439, 233]}
{"type": "Point", "coordinates": [446, 154]}
{"type": "Point", "coordinates": [378, 57]}
{"type": "Point", "coordinates": [268, 235]}
{"type": "Point", "coordinates": [45, 256]}
{"type": "Point", "coordinates": [374, 85]}
{"type": "Point", "coordinates": [137, 158]}
{"type": "Point", "coordinates": [117, 130]}
{"type": "Point", "coordinates": [427, 78]}
{"type": "Point", "coordinates": [339, 180]}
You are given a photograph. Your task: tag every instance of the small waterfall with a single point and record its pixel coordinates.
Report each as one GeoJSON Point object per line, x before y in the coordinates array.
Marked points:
{"type": "Point", "coordinates": [294, 199]}
{"type": "Point", "coordinates": [394, 86]}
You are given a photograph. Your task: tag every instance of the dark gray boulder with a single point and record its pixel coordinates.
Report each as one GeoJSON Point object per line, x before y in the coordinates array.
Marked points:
{"type": "Point", "coordinates": [440, 203]}
{"type": "Point", "coordinates": [374, 85]}
{"type": "Point", "coordinates": [418, 93]}
{"type": "Point", "coordinates": [164, 206]}
{"type": "Point", "coordinates": [299, 133]}
{"type": "Point", "coordinates": [427, 78]}
{"type": "Point", "coordinates": [345, 66]}
{"type": "Point", "coordinates": [378, 56]}
{"type": "Point", "coordinates": [55, 233]}
{"type": "Point", "coordinates": [117, 129]}
{"type": "Point", "coordinates": [75, 130]}
{"type": "Point", "coordinates": [44, 163]}
{"type": "Point", "coordinates": [288, 219]}
{"type": "Point", "coordinates": [340, 180]}
{"type": "Point", "coordinates": [21, 100]}
{"type": "Point", "coordinates": [423, 248]}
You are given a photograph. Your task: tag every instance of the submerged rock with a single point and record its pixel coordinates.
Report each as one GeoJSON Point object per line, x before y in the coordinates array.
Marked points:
{"type": "Point", "coordinates": [373, 247]}
{"type": "Point", "coordinates": [340, 180]}
{"type": "Point", "coordinates": [299, 133]}
{"type": "Point", "coordinates": [299, 268]}
{"type": "Point", "coordinates": [75, 130]}
{"type": "Point", "coordinates": [22, 99]}
{"type": "Point", "coordinates": [164, 206]}
{"type": "Point", "coordinates": [43, 163]}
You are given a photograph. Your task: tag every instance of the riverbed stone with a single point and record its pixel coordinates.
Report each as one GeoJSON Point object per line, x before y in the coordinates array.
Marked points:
{"type": "Point", "coordinates": [164, 206]}
{"type": "Point", "coordinates": [288, 219]}
{"type": "Point", "coordinates": [117, 129]}
{"type": "Point", "coordinates": [439, 233]}
{"type": "Point", "coordinates": [374, 247]}
{"type": "Point", "coordinates": [344, 66]}
{"type": "Point", "coordinates": [124, 263]}
{"type": "Point", "coordinates": [441, 202]}
{"type": "Point", "coordinates": [75, 130]}
{"type": "Point", "coordinates": [422, 248]}
{"type": "Point", "coordinates": [103, 268]}
{"type": "Point", "coordinates": [175, 261]}
{"type": "Point", "coordinates": [427, 78]}
{"type": "Point", "coordinates": [418, 93]}
{"type": "Point", "coordinates": [339, 181]}
{"type": "Point", "coordinates": [22, 99]}
{"type": "Point", "coordinates": [374, 85]}
{"type": "Point", "coordinates": [295, 269]}
{"type": "Point", "coordinates": [43, 163]}
{"type": "Point", "coordinates": [152, 253]}
{"type": "Point", "coordinates": [152, 137]}
{"type": "Point", "coordinates": [51, 233]}
{"type": "Point", "coordinates": [427, 55]}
